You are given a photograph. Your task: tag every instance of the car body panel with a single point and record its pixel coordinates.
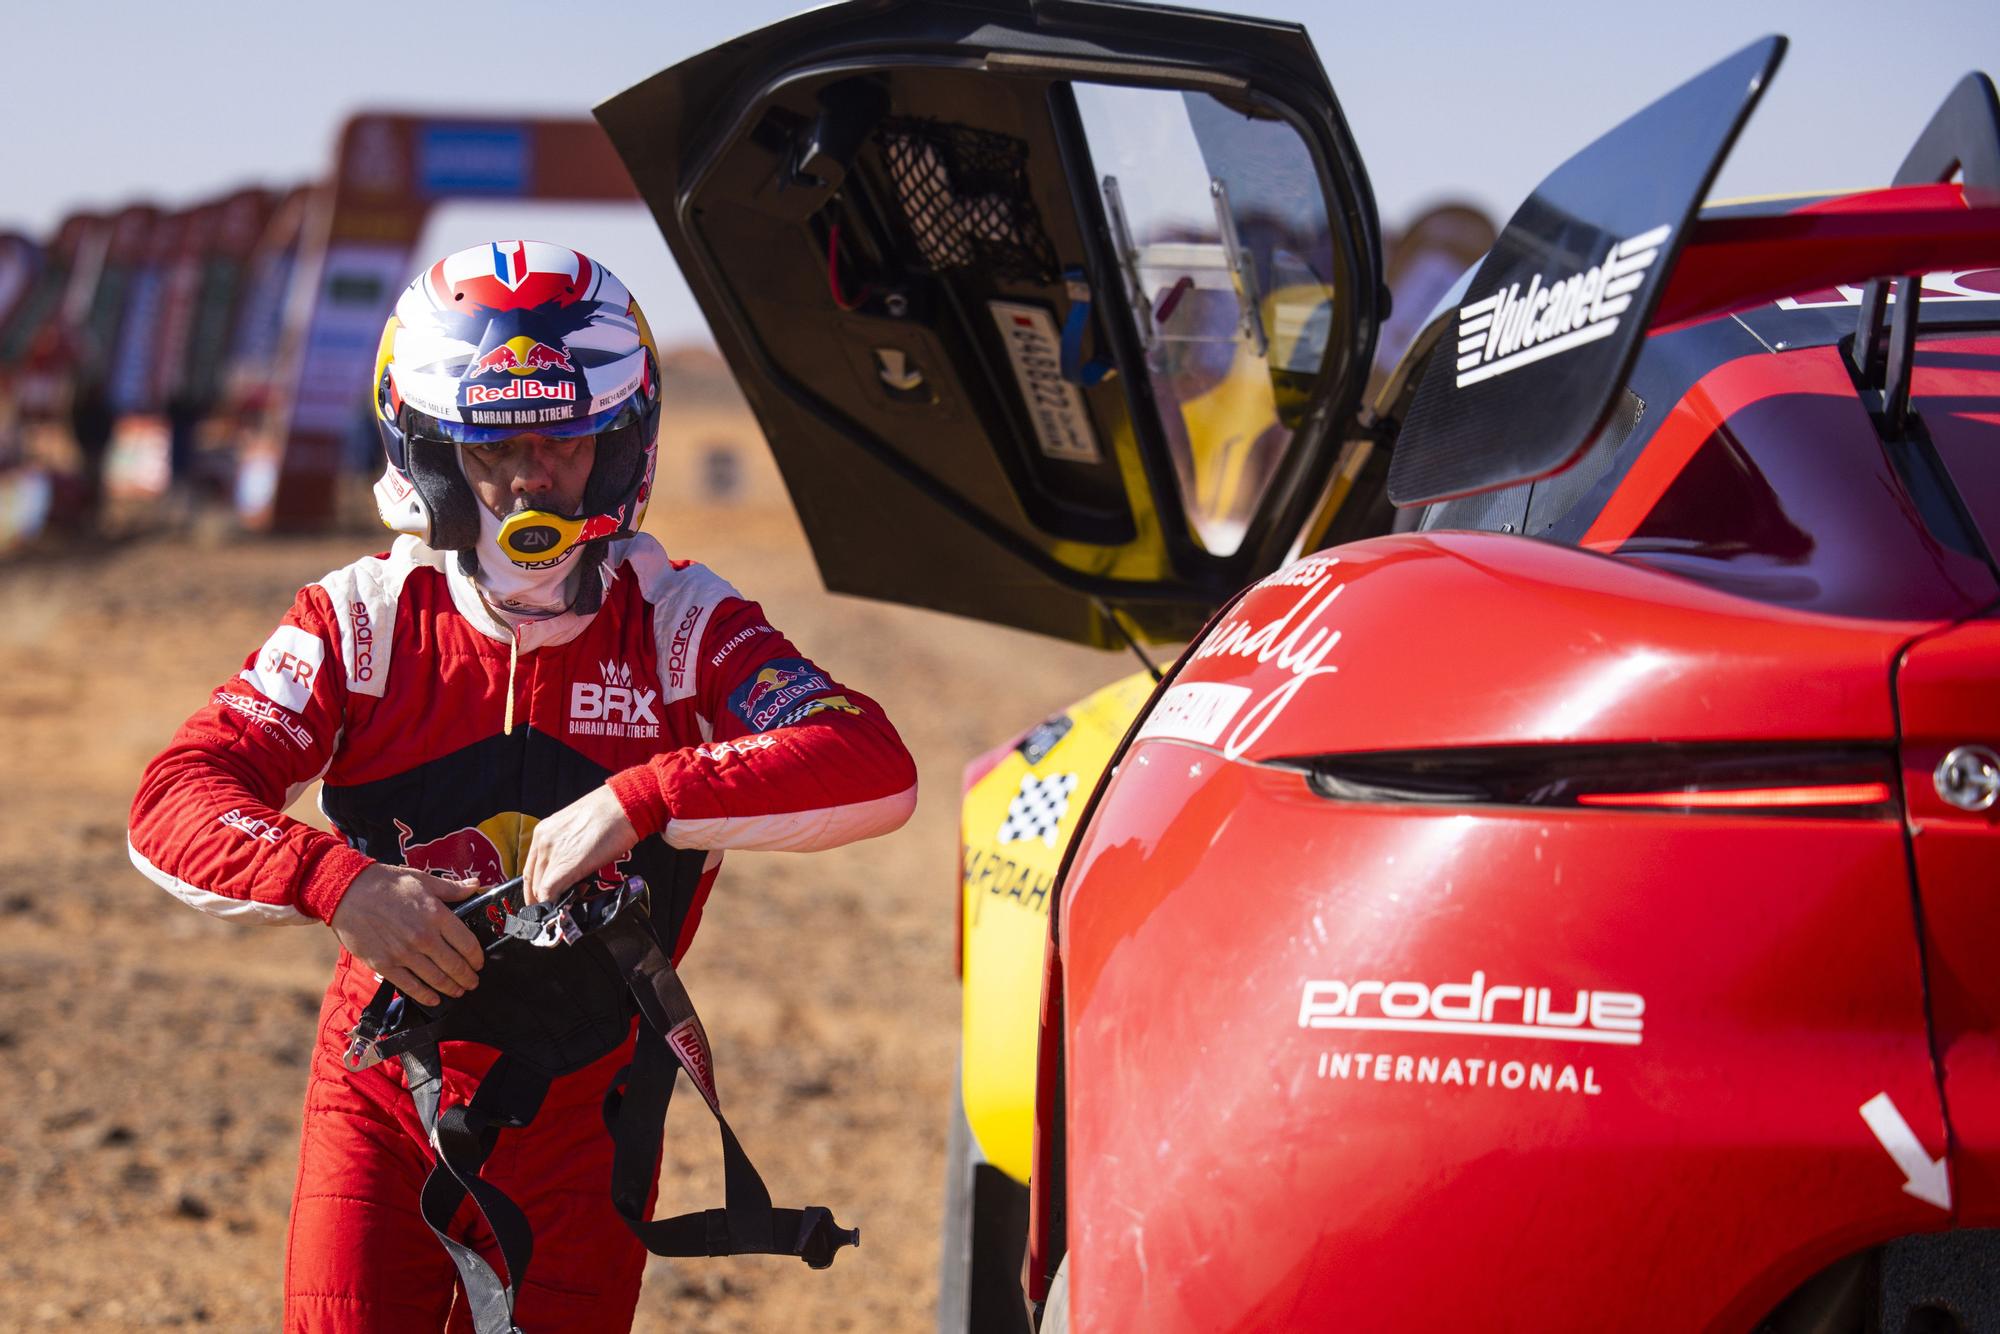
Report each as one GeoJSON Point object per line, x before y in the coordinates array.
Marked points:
{"type": "Point", "coordinates": [1016, 822]}
{"type": "Point", "coordinates": [1355, 650]}
{"type": "Point", "coordinates": [1769, 966]}
{"type": "Point", "coordinates": [1768, 479]}
{"type": "Point", "coordinates": [1685, 1183]}
{"type": "Point", "coordinates": [1945, 694]}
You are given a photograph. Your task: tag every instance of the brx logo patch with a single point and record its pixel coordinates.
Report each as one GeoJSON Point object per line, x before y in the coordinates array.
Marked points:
{"type": "Point", "coordinates": [612, 706]}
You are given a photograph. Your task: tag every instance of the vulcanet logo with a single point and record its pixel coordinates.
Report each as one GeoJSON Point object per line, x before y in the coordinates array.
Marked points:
{"type": "Point", "coordinates": [1512, 328]}
{"type": "Point", "coordinates": [1474, 1008]}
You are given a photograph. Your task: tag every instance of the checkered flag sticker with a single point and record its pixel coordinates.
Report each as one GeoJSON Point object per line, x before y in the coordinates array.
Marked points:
{"type": "Point", "coordinates": [1038, 809]}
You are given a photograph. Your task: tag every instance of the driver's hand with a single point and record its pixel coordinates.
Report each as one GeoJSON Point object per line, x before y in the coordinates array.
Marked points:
{"type": "Point", "coordinates": [590, 832]}
{"type": "Point", "coordinates": [396, 921]}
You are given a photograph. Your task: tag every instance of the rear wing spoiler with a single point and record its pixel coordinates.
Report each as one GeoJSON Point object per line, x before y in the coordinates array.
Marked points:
{"type": "Point", "coordinates": [1609, 249]}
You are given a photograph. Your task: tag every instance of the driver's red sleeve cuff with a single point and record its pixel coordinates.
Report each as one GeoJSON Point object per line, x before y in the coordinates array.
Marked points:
{"type": "Point", "coordinates": [638, 791]}
{"type": "Point", "coordinates": [328, 877]}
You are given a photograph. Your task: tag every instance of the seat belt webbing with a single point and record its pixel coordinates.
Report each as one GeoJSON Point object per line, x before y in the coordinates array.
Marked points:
{"type": "Point", "coordinates": [747, 1224]}
{"type": "Point", "coordinates": [463, 1137]}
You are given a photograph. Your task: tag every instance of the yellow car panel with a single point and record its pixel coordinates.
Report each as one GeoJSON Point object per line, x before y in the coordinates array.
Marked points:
{"type": "Point", "coordinates": [1014, 825]}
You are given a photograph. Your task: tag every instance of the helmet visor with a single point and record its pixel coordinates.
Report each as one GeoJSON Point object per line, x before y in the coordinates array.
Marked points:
{"type": "Point", "coordinates": [424, 427]}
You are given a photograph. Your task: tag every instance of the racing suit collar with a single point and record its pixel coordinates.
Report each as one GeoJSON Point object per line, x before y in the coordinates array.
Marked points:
{"type": "Point", "coordinates": [529, 633]}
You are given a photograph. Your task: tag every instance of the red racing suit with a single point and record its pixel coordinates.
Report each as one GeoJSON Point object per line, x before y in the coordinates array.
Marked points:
{"type": "Point", "coordinates": [442, 735]}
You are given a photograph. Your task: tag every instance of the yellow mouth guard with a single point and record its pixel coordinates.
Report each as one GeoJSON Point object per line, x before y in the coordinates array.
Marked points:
{"type": "Point", "coordinates": [536, 537]}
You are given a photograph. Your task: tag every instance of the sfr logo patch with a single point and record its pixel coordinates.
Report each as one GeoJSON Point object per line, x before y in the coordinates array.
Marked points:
{"type": "Point", "coordinates": [287, 666]}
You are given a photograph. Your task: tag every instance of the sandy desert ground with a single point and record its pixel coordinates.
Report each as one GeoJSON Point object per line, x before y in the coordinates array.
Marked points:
{"type": "Point", "coordinates": [152, 1059]}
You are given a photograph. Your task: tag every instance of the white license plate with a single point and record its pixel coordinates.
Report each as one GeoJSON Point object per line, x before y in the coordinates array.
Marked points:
{"type": "Point", "coordinates": [1061, 425]}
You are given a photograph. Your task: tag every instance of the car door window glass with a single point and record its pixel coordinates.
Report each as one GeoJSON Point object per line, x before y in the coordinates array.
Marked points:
{"type": "Point", "coordinates": [1227, 259]}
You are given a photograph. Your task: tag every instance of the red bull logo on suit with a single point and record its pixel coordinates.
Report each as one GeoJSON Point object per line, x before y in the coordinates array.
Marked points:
{"type": "Point", "coordinates": [778, 685]}
{"type": "Point", "coordinates": [487, 853]}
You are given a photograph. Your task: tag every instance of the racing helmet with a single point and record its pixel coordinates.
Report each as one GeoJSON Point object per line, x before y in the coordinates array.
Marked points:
{"type": "Point", "coordinates": [499, 340]}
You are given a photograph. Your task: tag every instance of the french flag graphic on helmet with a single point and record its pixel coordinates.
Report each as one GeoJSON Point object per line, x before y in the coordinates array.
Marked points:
{"type": "Point", "coordinates": [500, 340]}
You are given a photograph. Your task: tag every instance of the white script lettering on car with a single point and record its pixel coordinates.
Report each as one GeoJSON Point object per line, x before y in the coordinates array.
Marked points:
{"type": "Point", "coordinates": [1285, 643]}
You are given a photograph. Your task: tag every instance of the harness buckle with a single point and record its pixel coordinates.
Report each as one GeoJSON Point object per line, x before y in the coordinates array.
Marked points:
{"type": "Point", "coordinates": [820, 1238]}
{"type": "Point", "coordinates": [541, 925]}
{"type": "Point", "coordinates": [364, 1044]}
{"type": "Point", "coordinates": [575, 915]}
{"type": "Point", "coordinates": [361, 1053]}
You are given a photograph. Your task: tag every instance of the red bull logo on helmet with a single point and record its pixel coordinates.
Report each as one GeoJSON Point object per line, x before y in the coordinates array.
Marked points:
{"type": "Point", "coordinates": [521, 359]}
{"type": "Point", "coordinates": [562, 391]}
{"type": "Point", "coordinates": [775, 687]}
{"type": "Point", "coordinates": [521, 356]}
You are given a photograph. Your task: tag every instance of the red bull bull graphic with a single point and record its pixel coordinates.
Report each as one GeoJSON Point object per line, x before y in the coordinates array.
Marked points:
{"type": "Point", "coordinates": [462, 854]}
{"type": "Point", "coordinates": [542, 357]}
{"type": "Point", "coordinates": [501, 358]}
{"type": "Point", "coordinates": [776, 687]}
{"type": "Point", "coordinates": [522, 356]}
{"type": "Point", "coordinates": [488, 853]}
{"type": "Point", "coordinates": [520, 361]}
{"type": "Point", "coordinates": [771, 678]}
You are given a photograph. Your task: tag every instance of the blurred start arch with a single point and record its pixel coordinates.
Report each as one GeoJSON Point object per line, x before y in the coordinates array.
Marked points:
{"type": "Point", "coordinates": [390, 171]}
{"type": "Point", "coordinates": [226, 345]}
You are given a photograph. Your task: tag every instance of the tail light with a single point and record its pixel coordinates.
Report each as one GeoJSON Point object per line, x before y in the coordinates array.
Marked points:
{"type": "Point", "coordinates": [1842, 780]}
{"type": "Point", "coordinates": [1746, 798]}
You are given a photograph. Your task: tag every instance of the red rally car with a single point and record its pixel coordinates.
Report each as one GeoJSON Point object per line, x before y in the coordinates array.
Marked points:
{"type": "Point", "coordinates": [1555, 887]}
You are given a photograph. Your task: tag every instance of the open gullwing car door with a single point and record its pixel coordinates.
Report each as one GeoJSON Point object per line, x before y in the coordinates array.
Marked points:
{"type": "Point", "coordinates": [1051, 312]}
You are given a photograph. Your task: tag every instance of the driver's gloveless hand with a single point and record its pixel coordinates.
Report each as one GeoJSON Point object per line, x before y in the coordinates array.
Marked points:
{"type": "Point", "coordinates": [398, 922]}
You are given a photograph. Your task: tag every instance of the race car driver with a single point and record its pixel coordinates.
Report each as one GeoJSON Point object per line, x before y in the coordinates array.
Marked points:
{"type": "Point", "coordinates": [523, 683]}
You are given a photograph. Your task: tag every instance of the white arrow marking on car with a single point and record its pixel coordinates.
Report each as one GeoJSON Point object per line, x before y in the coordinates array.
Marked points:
{"type": "Point", "coordinates": [894, 368]}
{"type": "Point", "coordinates": [1928, 1179]}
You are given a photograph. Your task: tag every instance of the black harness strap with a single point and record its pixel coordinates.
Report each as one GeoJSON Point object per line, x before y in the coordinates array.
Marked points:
{"type": "Point", "coordinates": [549, 1012]}
{"type": "Point", "coordinates": [464, 1137]}
{"type": "Point", "coordinates": [636, 1114]}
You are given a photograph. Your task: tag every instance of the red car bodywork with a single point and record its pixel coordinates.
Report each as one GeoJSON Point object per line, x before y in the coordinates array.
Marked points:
{"type": "Point", "coordinates": [1782, 957]}
{"type": "Point", "coordinates": [1549, 906]}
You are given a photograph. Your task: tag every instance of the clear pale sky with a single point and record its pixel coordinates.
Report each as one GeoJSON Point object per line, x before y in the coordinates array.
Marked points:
{"type": "Point", "coordinates": [175, 103]}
